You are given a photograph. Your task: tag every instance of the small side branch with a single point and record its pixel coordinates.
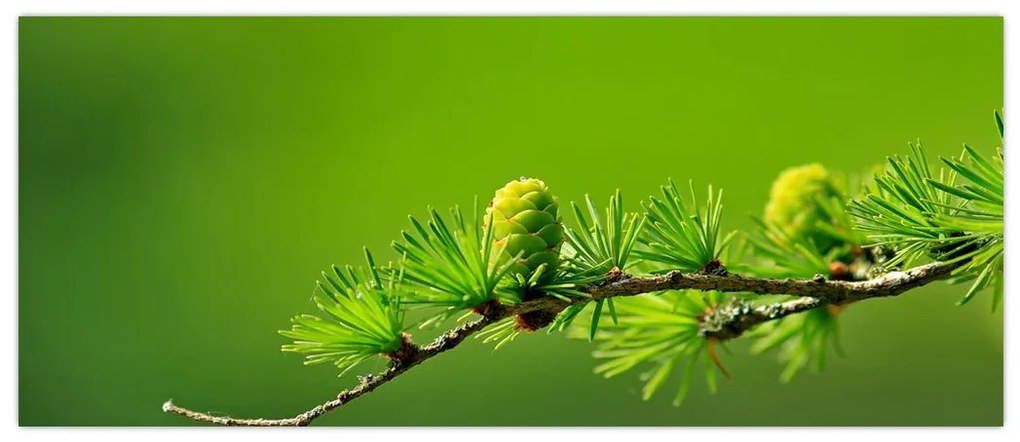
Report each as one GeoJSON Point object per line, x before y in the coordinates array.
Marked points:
{"type": "Point", "coordinates": [813, 293]}
{"type": "Point", "coordinates": [739, 318]}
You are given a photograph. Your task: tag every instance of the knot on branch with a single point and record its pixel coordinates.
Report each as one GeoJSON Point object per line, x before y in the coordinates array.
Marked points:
{"type": "Point", "coordinates": [615, 275]}
{"type": "Point", "coordinates": [490, 309]}
{"type": "Point", "coordinates": [406, 354]}
{"type": "Point", "coordinates": [532, 321]}
{"type": "Point", "coordinates": [715, 268]}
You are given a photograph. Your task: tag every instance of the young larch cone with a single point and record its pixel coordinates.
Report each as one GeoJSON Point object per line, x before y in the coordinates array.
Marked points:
{"type": "Point", "coordinates": [525, 217]}
{"type": "Point", "coordinates": [793, 203]}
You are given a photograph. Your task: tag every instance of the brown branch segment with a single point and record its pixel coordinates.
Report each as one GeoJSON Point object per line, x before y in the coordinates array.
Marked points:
{"type": "Point", "coordinates": [444, 342]}
{"type": "Point", "coordinates": [735, 320]}
{"type": "Point", "coordinates": [833, 292]}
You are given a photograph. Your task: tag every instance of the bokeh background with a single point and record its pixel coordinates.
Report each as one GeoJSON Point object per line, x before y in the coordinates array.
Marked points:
{"type": "Point", "coordinates": [184, 180]}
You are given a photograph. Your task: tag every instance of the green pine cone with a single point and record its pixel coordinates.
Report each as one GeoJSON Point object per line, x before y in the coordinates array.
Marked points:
{"type": "Point", "coordinates": [793, 206]}
{"type": "Point", "coordinates": [525, 217]}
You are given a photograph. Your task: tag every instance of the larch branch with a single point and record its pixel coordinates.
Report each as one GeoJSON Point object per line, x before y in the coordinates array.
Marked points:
{"type": "Point", "coordinates": [737, 319]}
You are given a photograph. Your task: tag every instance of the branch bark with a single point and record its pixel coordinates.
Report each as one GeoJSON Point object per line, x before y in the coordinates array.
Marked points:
{"type": "Point", "coordinates": [812, 293]}
{"type": "Point", "coordinates": [368, 383]}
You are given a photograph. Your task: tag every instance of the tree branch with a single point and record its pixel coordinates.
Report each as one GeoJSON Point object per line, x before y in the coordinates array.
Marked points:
{"type": "Point", "coordinates": [728, 322]}
{"type": "Point", "coordinates": [833, 292]}
{"type": "Point", "coordinates": [368, 383]}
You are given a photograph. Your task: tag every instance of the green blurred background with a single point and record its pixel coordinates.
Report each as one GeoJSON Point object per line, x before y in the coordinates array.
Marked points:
{"type": "Point", "coordinates": [184, 180]}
